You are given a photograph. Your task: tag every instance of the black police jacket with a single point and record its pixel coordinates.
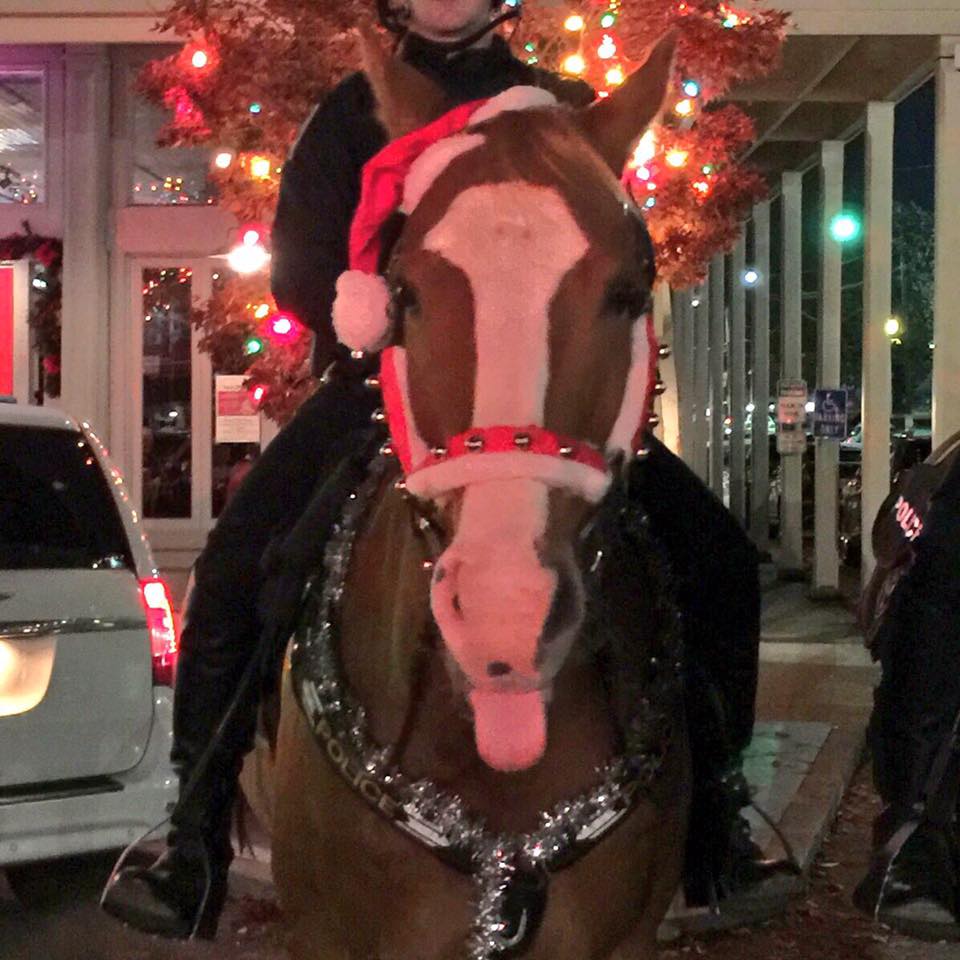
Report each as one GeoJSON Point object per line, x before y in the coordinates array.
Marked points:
{"type": "Point", "coordinates": [320, 189]}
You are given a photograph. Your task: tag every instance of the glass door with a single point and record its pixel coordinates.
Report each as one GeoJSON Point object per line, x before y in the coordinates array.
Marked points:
{"type": "Point", "coordinates": [167, 401]}
{"type": "Point", "coordinates": [161, 405]}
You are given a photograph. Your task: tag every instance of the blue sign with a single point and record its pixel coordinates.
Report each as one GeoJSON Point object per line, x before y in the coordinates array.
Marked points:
{"type": "Point", "coordinates": [830, 414]}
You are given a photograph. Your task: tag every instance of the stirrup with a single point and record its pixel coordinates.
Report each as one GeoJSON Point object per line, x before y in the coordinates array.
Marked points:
{"type": "Point", "coordinates": [203, 927]}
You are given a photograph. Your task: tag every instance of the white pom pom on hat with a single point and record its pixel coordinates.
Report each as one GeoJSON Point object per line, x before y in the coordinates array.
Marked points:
{"type": "Point", "coordinates": [361, 316]}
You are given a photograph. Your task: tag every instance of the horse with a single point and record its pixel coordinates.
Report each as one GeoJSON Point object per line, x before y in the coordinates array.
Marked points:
{"type": "Point", "coordinates": [481, 748]}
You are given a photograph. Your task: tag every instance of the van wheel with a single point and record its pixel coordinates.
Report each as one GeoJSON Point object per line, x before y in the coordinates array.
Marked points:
{"type": "Point", "coordinates": [52, 884]}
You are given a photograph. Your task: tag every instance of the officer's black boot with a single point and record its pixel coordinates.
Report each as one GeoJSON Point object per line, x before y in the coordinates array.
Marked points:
{"type": "Point", "coordinates": [911, 884]}
{"type": "Point", "coordinates": [182, 894]}
{"type": "Point", "coordinates": [721, 859]}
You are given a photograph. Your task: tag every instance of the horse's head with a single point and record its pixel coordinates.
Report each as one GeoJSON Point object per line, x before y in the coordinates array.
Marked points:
{"type": "Point", "coordinates": [520, 371]}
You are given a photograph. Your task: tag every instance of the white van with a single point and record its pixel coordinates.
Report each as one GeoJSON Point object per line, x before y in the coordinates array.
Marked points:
{"type": "Point", "coordinates": [88, 650]}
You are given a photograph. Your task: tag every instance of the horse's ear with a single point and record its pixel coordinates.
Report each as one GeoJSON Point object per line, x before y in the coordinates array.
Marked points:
{"type": "Point", "coordinates": [406, 99]}
{"type": "Point", "coordinates": [613, 125]}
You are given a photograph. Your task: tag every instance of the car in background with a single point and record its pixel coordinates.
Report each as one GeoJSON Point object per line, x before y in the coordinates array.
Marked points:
{"type": "Point", "coordinates": [88, 649]}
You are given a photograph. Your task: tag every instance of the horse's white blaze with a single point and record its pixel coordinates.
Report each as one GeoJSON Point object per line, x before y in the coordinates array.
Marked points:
{"type": "Point", "coordinates": [494, 604]}
{"type": "Point", "coordinates": [425, 170]}
{"type": "Point", "coordinates": [491, 598]}
{"type": "Point", "coordinates": [631, 409]}
{"type": "Point", "coordinates": [495, 233]}
{"type": "Point", "coordinates": [503, 591]}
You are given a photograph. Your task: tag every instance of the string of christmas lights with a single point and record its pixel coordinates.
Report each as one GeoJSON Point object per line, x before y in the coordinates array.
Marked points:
{"type": "Point", "coordinates": [242, 90]}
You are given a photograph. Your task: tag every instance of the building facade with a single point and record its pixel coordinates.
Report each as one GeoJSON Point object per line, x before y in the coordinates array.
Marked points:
{"type": "Point", "coordinates": [143, 240]}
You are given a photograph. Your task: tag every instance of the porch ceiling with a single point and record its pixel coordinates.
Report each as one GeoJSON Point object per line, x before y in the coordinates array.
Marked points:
{"type": "Point", "coordinates": [822, 89]}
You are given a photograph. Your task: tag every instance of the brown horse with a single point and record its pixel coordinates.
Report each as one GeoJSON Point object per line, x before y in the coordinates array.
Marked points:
{"type": "Point", "coordinates": [481, 749]}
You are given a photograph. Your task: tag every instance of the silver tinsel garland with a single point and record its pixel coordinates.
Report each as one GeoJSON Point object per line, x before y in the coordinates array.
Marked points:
{"type": "Point", "coordinates": [438, 819]}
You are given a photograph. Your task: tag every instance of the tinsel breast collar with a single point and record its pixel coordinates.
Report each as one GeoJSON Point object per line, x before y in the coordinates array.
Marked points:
{"type": "Point", "coordinates": [393, 181]}
{"type": "Point", "coordinates": [511, 872]}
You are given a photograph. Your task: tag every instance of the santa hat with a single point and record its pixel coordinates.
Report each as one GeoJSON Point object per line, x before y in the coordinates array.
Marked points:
{"type": "Point", "coordinates": [360, 311]}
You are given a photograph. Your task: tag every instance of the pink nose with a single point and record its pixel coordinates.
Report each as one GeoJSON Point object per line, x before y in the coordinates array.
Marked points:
{"type": "Point", "coordinates": [492, 612]}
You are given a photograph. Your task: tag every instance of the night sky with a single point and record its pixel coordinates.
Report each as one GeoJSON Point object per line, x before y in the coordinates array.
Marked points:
{"type": "Point", "coordinates": [913, 153]}
{"type": "Point", "coordinates": [913, 182]}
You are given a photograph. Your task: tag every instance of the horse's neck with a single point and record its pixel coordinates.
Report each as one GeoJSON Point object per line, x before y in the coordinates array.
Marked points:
{"type": "Point", "coordinates": [394, 661]}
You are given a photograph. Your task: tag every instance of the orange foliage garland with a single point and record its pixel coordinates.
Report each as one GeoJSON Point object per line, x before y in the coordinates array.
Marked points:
{"type": "Point", "coordinates": [250, 73]}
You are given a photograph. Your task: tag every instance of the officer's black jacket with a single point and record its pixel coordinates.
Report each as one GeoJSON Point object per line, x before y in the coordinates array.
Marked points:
{"type": "Point", "coordinates": [320, 189]}
{"type": "Point", "coordinates": [918, 643]}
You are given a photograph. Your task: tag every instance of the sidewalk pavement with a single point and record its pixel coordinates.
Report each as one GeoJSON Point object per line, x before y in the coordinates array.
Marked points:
{"type": "Point", "coordinates": [813, 706]}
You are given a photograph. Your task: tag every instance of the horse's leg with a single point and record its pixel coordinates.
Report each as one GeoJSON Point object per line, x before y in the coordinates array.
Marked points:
{"type": "Point", "coordinates": [661, 883]}
{"type": "Point", "coordinates": [256, 781]}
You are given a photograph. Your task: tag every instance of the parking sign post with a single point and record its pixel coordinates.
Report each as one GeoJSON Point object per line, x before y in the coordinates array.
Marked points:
{"type": "Point", "coordinates": [791, 445]}
{"type": "Point", "coordinates": [829, 427]}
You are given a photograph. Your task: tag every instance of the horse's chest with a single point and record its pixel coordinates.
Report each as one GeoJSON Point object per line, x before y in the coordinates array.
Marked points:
{"type": "Point", "coordinates": [356, 888]}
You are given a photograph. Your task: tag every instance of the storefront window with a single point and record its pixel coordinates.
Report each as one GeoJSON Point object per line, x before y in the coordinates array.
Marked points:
{"type": "Point", "coordinates": [165, 175]}
{"type": "Point", "coordinates": [22, 137]}
{"type": "Point", "coordinates": [167, 468]}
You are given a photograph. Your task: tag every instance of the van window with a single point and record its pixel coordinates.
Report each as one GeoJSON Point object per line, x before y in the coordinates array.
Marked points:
{"type": "Point", "coordinates": [56, 510]}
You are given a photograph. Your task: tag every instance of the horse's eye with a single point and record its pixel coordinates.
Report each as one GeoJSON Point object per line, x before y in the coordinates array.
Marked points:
{"type": "Point", "coordinates": [627, 300]}
{"type": "Point", "coordinates": [403, 299]}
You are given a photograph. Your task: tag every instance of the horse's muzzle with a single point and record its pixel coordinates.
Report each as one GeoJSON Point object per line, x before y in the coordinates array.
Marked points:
{"type": "Point", "coordinates": [508, 620]}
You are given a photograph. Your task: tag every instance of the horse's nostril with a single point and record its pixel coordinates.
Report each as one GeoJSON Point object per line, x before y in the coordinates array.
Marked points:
{"type": "Point", "coordinates": [498, 668]}
{"type": "Point", "coordinates": [440, 574]}
{"type": "Point", "coordinates": [456, 604]}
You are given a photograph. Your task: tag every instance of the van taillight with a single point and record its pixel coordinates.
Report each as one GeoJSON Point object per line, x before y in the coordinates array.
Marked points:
{"type": "Point", "coordinates": [163, 631]}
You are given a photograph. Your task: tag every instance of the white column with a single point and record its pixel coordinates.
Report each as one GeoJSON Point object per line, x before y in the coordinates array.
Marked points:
{"type": "Point", "coordinates": [717, 344]}
{"type": "Point", "coordinates": [86, 281]}
{"type": "Point", "coordinates": [669, 403]}
{"type": "Point", "coordinates": [683, 354]}
{"type": "Point", "coordinates": [701, 379]}
{"type": "Point", "coordinates": [877, 272]}
{"type": "Point", "coordinates": [791, 513]}
{"type": "Point", "coordinates": [738, 380]}
{"type": "Point", "coordinates": [946, 311]}
{"type": "Point", "coordinates": [760, 383]}
{"type": "Point", "coordinates": [826, 561]}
